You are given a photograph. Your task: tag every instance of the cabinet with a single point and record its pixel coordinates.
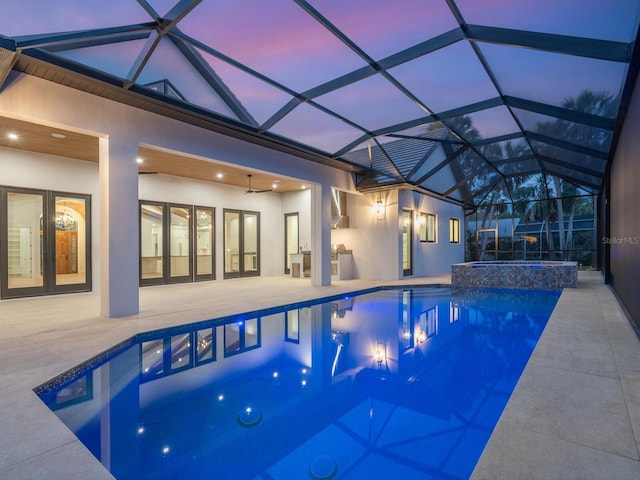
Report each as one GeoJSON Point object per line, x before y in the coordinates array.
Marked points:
{"type": "Point", "coordinates": [301, 265]}
{"type": "Point", "coordinates": [342, 266]}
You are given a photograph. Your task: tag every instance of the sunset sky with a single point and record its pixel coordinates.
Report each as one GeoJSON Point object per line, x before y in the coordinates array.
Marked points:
{"type": "Point", "coordinates": [279, 40]}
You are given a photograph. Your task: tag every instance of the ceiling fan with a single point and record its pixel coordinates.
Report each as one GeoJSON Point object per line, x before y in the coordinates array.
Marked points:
{"type": "Point", "coordinates": [252, 190]}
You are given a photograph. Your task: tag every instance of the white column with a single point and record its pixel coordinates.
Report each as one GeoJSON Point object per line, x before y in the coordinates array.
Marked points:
{"type": "Point", "coordinates": [320, 235]}
{"type": "Point", "coordinates": [119, 243]}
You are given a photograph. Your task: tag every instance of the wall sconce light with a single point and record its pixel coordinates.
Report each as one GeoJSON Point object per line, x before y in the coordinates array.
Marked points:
{"type": "Point", "coordinates": [422, 220]}
{"type": "Point", "coordinates": [379, 209]}
{"type": "Point", "coordinates": [422, 337]}
{"type": "Point", "coordinates": [379, 355]}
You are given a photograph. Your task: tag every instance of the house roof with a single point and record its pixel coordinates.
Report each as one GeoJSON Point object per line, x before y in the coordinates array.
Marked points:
{"type": "Point", "coordinates": [469, 100]}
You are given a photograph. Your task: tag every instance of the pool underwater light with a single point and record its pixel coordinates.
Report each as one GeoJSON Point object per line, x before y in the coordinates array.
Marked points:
{"type": "Point", "coordinates": [323, 467]}
{"type": "Point", "coordinates": [249, 417]}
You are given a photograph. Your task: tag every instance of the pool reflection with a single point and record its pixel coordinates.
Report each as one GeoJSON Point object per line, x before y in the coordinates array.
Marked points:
{"type": "Point", "coordinates": [413, 380]}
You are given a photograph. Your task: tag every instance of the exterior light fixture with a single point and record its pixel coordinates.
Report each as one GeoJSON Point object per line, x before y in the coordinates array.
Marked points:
{"type": "Point", "coordinates": [379, 354]}
{"type": "Point", "coordinates": [13, 136]}
{"type": "Point", "coordinates": [379, 209]}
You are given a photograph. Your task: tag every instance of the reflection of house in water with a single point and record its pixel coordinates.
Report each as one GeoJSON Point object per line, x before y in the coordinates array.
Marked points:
{"type": "Point", "coordinates": [394, 357]}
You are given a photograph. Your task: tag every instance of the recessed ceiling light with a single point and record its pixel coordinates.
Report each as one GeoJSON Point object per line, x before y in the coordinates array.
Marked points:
{"type": "Point", "coordinates": [303, 187]}
{"type": "Point", "coordinates": [139, 160]}
{"type": "Point", "coordinates": [13, 136]}
{"type": "Point", "coordinates": [274, 185]}
{"type": "Point", "coordinates": [219, 175]}
{"type": "Point", "coordinates": [58, 135]}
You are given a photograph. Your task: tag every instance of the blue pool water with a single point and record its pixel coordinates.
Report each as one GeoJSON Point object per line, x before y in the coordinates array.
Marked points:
{"type": "Point", "coordinates": [393, 384]}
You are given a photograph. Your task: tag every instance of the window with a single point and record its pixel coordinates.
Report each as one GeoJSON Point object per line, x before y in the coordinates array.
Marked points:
{"type": "Point", "coordinates": [427, 227]}
{"type": "Point", "coordinates": [454, 230]}
{"type": "Point", "coordinates": [205, 345]}
{"type": "Point", "coordinates": [181, 351]}
{"type": "Point", "coordinates": [292, 326]}
{"type": "Point", "coordinates": [407, 243]}
{"type": "Point", "coordinates": [431, 228]}
{"type": "Point", "coordinates": [428, 325]}
{"type": "Point", "coordinates": [78, 391]}
{"type": "Point", "coordinates": [152, 353]}
{"type": "Point", "coordinates": [241, 336]}
{"type": "Point", "coordinates": [422, 227]}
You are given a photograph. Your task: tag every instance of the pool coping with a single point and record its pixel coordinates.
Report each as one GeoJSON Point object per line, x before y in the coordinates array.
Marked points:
{"type": "Point", "coordinates": [575, 412]}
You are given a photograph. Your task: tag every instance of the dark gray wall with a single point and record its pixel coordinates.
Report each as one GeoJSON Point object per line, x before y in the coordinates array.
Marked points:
{"type": "Point", "coordinates": [624, 206]}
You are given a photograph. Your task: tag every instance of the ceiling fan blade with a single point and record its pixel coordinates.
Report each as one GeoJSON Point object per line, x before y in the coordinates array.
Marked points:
{"type": "Point", "coordinates": [250, 190]}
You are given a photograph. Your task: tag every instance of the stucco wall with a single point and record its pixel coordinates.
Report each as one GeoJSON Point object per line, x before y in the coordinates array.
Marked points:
{"type": "Point", "coordinates": [433, 258]}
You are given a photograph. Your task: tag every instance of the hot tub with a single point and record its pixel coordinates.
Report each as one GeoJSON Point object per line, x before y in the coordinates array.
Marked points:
{"type": "Point", "coordinates": [532, 275]}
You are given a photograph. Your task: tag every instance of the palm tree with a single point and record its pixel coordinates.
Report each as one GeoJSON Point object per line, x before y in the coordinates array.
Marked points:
{"type": "Point", "coordinates": [596, 103]}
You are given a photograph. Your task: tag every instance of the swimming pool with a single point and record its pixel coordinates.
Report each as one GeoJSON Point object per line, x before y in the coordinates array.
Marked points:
{"type": "Point", "coordinates": [405, 383]}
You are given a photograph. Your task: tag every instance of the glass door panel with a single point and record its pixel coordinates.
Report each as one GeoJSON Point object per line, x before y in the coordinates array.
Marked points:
{"type": "Point", "coordinates": [151, 242]}
{"type": "Point", "coordinates": [46, 243]}
{"type": "Point", "coordinates": [407, 242]}
{"type": "Point", "coordinates": [292, 242]}
{"type": "Point", "coordinates": [71, 240]}
{"type": "Point", "coordinates": [179, 243]}
{"type": "Point", "coordinates": [250, 243]}
{"type": "Point", "coordinates": [231, 243]}
{"type": "Point", "coordinates": [204, 243]}
{"type": "Point", "coordinates": [241, 243]}
{"type": "Point", "coordinates": [25, 242]}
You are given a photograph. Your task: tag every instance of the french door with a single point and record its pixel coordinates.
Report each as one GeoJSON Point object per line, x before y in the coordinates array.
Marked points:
{"type": "Point", "coordinates": [46, 242]}
{"type": "Point", "coordinates": [291, 239]}
{"type": "Point", "coordinates": [241, 243]}
{"type": "Point", "coordinates": [176, 243]}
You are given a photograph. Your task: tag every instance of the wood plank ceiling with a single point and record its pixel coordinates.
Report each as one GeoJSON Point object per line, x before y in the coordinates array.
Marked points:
{"type": "Point", "coordinates": [51, 140]}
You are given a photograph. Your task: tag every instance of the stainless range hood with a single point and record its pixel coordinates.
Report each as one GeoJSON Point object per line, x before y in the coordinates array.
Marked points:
{"type": "Point", "coordinates": [339, 218]}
